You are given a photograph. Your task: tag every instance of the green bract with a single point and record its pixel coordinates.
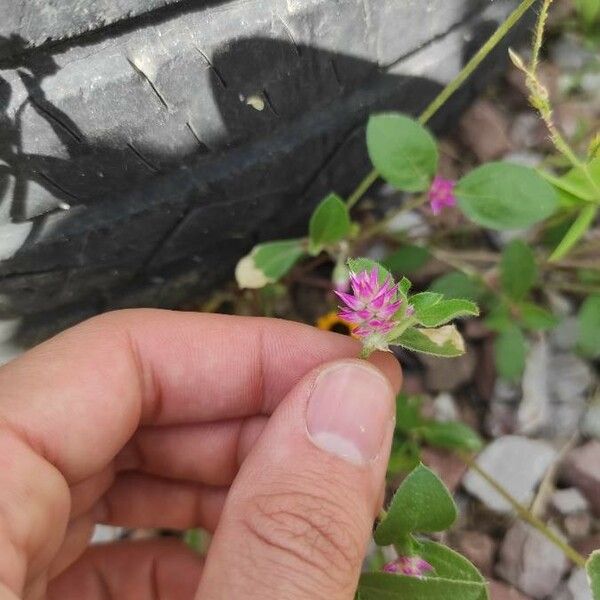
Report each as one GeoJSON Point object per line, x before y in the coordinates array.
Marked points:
{"type": "Point", "coordinates": [505, 196]}
{"type": "Point", "coordinates": [402, 150]}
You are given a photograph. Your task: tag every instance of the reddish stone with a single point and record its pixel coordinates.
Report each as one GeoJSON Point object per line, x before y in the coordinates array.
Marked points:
{"type": "Point", "coordinates": [484, 129]}
{"type": "Point", "coordinates": [501, 591]}
{"type": "Point", "coordinates": [587, 545]}
{"type": "Point", "coordinates": [582, 469]}
{"type": "Point", "coordinates": [478, 547]}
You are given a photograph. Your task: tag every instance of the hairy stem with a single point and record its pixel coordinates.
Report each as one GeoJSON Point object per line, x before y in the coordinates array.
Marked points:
{"type": "Point", "coordinates": [451, 87]}
{"type": "Point", "coordinates": [525, 513]}
{"type": "Point", "coordinates": [538, 36]}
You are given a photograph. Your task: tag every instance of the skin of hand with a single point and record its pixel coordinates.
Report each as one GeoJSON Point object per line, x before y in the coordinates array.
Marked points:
{"type": "Point", "coordinates": [265, 432]}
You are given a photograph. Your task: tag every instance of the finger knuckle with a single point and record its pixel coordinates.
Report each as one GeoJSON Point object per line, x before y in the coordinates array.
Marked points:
{"type": "Point", "coordinates": [309, 531]}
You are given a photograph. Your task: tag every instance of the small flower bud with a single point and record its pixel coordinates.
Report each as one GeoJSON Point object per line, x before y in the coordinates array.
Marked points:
{"type": "Point", "coordinates": [411, 566]}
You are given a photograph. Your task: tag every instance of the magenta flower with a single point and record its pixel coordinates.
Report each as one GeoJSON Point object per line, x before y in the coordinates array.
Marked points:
{"type": "Point", "coordinates": [412, 566]}
{"type": "Point", "coordinates": [371, 305]}
{"type": "Point", "coordinates": [441, 194]}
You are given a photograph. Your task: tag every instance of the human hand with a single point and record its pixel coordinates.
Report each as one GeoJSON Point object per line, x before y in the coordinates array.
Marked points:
{"type": "Point", "coordinates": [149, 418]}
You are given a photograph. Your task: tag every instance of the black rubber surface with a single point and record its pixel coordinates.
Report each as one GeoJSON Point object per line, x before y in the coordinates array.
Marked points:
{"type": "Point", "coordinates": [144, 149]}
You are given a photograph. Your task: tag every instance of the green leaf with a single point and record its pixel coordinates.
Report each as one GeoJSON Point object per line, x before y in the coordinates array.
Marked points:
{"type": "Point", "coordinates": [386, 586]}
{"type": "Point", "coordinates": [536, 318]}
{"type": "Point", "coordinates": [518, 270]}
{"type": "Point", "coordinates": [510, 350]}
{"type": "Point", "coordinates": [405, 457]}
{"type": "Point", "coordinates": [358, 265]}
{"type": "Point", "coordinates": [268, 262]}
{"type": "Point", "coordinates": [329, 223]}
{"type": "Point", "coordinates": [421, 504]}
{"type": "Point", "coordinates": [499, 319]}
{"type": "Point", "coordinates": [457, 285]}
{"type": "Point", "coordinates": [582, 183]}
{"type": "Point", "coordinates": [408, 413]}
{"type": "Point", "coordinates": [577, 230]}
{"type": "Point", "coordinates": [448, 564]}
{"type": "Point", "coordinates": [589, 326]}
{"type": "Point", "coordinates": [444, 341]}
{"type": "Point", "coordinates": [407, 259]}
{"type": "Point", "coordinates": [444, 311]}
{"type": "Point", "coordinates": [453, 578]}
{"type": "Point", "coordinates": [505, 196]}
{"type": "Point", "coordinates": [452, 434]}
{"type": "Point", "coordinates": [424, 300]}
{"type": "Point", "coordinates": [402, 151]}
{"type": "Point", "coordinates": [592, 568]}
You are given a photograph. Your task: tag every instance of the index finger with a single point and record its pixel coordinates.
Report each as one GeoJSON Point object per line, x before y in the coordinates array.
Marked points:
{"type": "Point", "coordinates": [80, 396]}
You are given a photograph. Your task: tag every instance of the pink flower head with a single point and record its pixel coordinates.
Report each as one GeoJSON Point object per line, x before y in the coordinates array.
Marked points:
{"type": "Point", "coordinates": [371, 305]}
{"type": "Point", "coordinates": [412, 566]}
{"type": "Point", "coordinates": [441, 194]}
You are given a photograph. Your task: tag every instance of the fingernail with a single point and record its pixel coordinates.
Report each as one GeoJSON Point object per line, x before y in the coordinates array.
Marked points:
{"type": "Point", "coordinates": [350, 411]}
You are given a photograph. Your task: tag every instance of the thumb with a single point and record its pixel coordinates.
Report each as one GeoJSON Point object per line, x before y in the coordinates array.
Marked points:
{"type": "Point", "coordinates": [299, 515]}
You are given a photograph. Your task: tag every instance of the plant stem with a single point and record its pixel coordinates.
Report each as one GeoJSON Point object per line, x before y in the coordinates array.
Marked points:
{"type": "Point", "coordinates": [451, 88]}
{"type": "Point", "coordinates": [476, 60]}
{"type": "Point", "coordinates": [362, 188]}
{"type": "Point", "coordinates": [538, 36]}
{"type": "Point", "coordinates": [525, 514]}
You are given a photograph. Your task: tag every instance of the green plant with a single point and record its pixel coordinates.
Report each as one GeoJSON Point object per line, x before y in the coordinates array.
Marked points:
{"type": "Point", "coordinates": [551, 211]}
{"type": "Point", "coordinates": [421, 505]}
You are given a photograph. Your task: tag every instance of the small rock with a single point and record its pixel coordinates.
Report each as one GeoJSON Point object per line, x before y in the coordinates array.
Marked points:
{"type": "Point", "coordinates": [587, 545]}
{"type": "Point", "coordinates": [530, 561]}
{"type": "Point", "coordinates": [478, 547]}
{"type": "Point", "coordinates": [443, 375]}
{"type": "Point", "coordinates": [578, 526]}
{"type": "Point", "coordinates": [448, 466]}
{"type": "Point", "coordinates": [534, 410]}
{"type": "Point", "coordinates": [501, 591]}
{"type": "Point", "coordinates": [575, 588]}
{"type": "Point", "coordinates": [582, 469]}
{"type": "Point", "coordinates": [591, 420]}
{"type": "Point", "coordinates": [411, 221]}
{"type": "Point", "coordinates": [528, 131]}
{"type": "Point", "coordinates": [517, 463]}
{"type": "Point", "coordinates": [559, 304]}
{"type": "Point", "coordinates": [570, 116]}
{"type": "Point", "coordinates": [444, 408]}
{"type": "Point", "coordinates": [483, 128]}
{"type": "Point", "coordinates": [570, 376]}
{"type": "Point", "coordinates": [590, 83]}
{"type": "Point", "coordinates": [524, 158]}
{"type": "Point", "coordinates": [564, 335]}
{"type": "Point", "coordinates": [569, 501]}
